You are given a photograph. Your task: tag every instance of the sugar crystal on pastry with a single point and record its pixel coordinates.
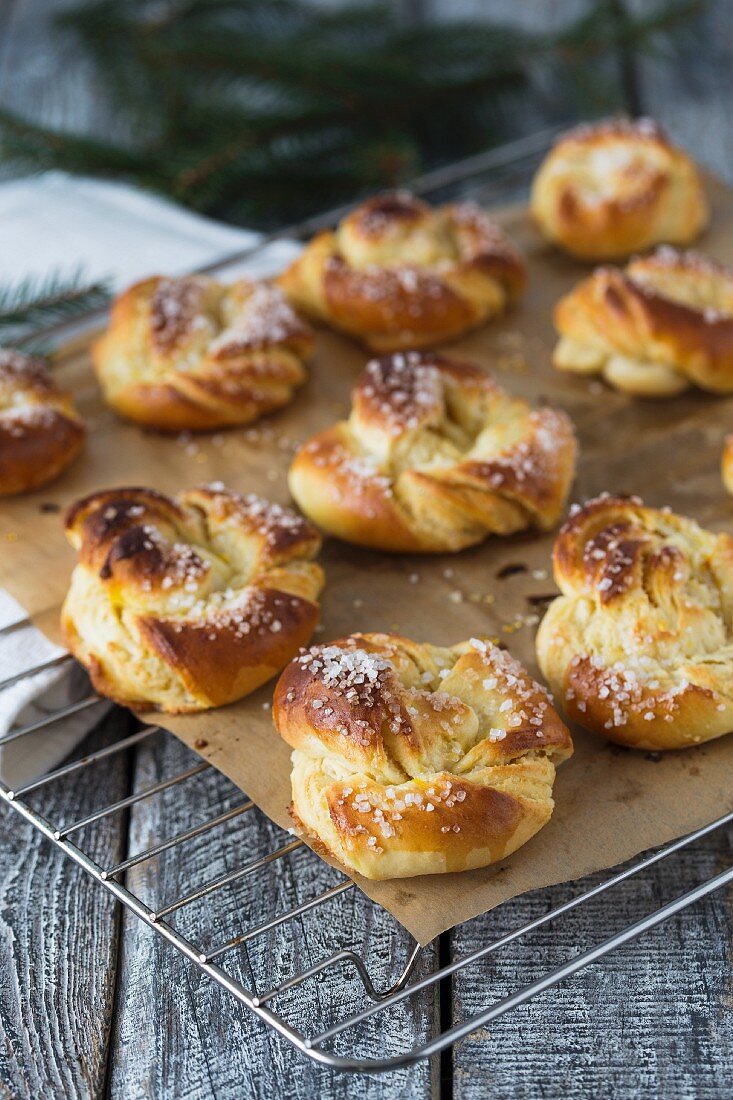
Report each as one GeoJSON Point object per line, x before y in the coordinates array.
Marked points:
{"type": "Point", "coordinates": [41, 432]}
{"type": "Point", "coordinates": [610, 189]}
{"type": "Point", "coordinates": [190, 353]}
{"type": "Point", "coordinates": [415, 759]}
{"type": "Point", "coordinates": [397, 273]}
{"type": "Point", "coordinates": [434, 456]}
{"type": "Point", "coordinates": [189, 603]}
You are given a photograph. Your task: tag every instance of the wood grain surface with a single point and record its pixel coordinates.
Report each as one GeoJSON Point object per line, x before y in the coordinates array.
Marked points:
{"type": "Point", "coordinates": [176, 1033]}
{"type": "Point", "coordinates": [653, 1019]}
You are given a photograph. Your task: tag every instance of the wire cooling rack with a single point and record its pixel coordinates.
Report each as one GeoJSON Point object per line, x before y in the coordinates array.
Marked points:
{"type": "Point", "coordinates": [488, 177]}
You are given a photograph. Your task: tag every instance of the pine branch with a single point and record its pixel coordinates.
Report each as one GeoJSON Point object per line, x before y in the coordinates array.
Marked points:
{"type": "Point", "coordinates": [268, 109]}
{"type": "Point", "coordinates": [41, 147]}
{"type": "Point", "coordinates": [35, 302]}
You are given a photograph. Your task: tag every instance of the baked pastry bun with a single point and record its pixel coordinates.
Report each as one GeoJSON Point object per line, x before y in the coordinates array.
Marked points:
{"type": "Point", "coordinates": [638, 646]}
{"type": "Point", "coordinates": [191, 354]}
{"type": "Point", "coordinates": [435, 456]}
{"type": "Point", "coordinates": [397, 273]}
{"type": "Point", "coordinates": [412, 759]}
{"type": "Point", "coordinates": [189, 603]}
{"type": "Point", "coordinates": [727, 463]}
{"type": "Point", "coordinates": [605, 191]}
{"type": "Point", "coordinates": [660, 325]}
{"type": "Point", "coordinates": [40, 430]}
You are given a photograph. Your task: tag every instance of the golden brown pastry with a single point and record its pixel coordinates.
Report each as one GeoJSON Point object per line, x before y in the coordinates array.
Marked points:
{"type": "Point", "coordinates": [640, 643]}
{"type": "Point", "coordinates": [189, 603]}
{"type": "Point", "coordinates": [190, 353]}
{"type": "Point", "coordinates": [618, 187]}
{"type": "Point", "coordinates": [727, 464]}
{"type": "Point", "coordinates": [662, 324]}
{"type": "Point", "coordinates": [40, 430]}
{"type": "Point", "coordinates": [412, 759]}
{"type": "Point", "coordinates": [434, 457]}
{"type": "Point", "coordinates": [397, 273]}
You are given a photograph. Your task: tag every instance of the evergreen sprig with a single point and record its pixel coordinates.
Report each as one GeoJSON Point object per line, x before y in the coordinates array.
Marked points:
{"type": "Point", "coordinates": [39, 301]}
{"type": "Point", "coordinates": [265, 110]}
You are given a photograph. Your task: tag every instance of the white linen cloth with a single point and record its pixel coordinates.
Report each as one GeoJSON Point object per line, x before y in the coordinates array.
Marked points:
{"type": "Point", "coordinates": [58, 222]}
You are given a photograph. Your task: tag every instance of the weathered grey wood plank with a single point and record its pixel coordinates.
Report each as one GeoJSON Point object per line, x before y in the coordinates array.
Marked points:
{"type": "Point", "coordinates": [59, 939]}
{"type": "Point", "coordinates": [176, 1033]}
{"type": "Point", "coordinates": [44, 75]}
{"type": "Point", "coordinates": [652, 1019]}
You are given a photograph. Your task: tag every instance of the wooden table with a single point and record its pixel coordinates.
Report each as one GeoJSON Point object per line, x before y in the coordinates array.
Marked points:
{"type": "Point", "coordinates": [91, 1002]}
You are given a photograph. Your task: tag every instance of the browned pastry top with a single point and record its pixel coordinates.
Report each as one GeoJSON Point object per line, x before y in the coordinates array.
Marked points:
{"type": "Point", "coordinates": [661, 324]}
{"type": "Point", "coordinates": [40, 430]}
{"type": "Point", "coordinates": [727, 463]}
{"type": "Point", "coordinates": [191, 353]}
{"type": "Point", "coordinates": [434, 456]}
{"type": "Point", "coordinates": [640, 643]}
{"type": "Point", "coordinates": [415, 759]}
{"type": "Point", "coordinates": [617, 187]}
{"type": "Point", "coordinates": [188, 603]}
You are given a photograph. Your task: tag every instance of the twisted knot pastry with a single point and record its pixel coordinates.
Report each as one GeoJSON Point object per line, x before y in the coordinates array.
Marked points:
{"type": "Point", "coordinates": [194, 354]}
{"type": "Point", "coordinates": [40, 430]}
{"type": "Point", "coordinates": [727, 464]}
{"type": "Point", "coordinates": [413, 759]}
{"type": "Point", "coordinates": [189, 603]}
{"type": "Point", "coordinates": [653, 329]}
{"type": "Point", "coordinates": [434, 457]}
{"type": "Point", "coordinates": [606, 191]}
{"type": "Point", "coordinates": [398, 274]}
{"type": "Point", "coordinates": [640, 644]}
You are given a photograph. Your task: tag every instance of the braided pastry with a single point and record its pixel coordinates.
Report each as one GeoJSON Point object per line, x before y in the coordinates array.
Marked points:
{"type": "Point", "coordinates": [195, 354]}
{"type": "Point", "coordinates": [606, 191]}
{"type": "Point", "coordinates": [434, 457]}
{"type": "Point", "coordinates": [40, 430]}
{"type": "Point", "coordinates": [653, 329]}
{"type": "Point", "coordinates": [727, 463]}
{"type": "Point", "coordinates": [640, 644]}
{"type": "Point", "coordinates": [398, 274]}
{"type": "Point", "coordinates": [413, 759]}
{"type": "Point", "coordinates": [190, 603]}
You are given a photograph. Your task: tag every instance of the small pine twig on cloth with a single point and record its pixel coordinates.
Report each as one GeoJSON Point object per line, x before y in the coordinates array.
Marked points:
{"type": "Point", "coordinates": [35, 302]}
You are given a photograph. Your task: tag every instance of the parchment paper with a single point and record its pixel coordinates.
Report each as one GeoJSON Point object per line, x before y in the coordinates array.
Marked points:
{"type": "Point", "coordinates": [610, 803]}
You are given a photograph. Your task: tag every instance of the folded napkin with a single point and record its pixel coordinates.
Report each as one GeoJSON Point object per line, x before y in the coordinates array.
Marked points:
{"type": "Point", "coordinates": [33, 699]}
{"type": "Point", "coordinates": [58, 222]}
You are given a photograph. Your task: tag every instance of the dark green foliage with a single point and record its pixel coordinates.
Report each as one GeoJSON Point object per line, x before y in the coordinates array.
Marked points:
{"type": "Point", "coordinates": [34, 303]}
{"type": "Point", "coordinates": [264, 110]}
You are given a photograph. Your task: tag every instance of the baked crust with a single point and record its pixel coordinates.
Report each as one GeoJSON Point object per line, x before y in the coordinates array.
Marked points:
{"type": "Point", "coordinates": [412, 759]}
{"type": "Point", "coordinates": [726, 466]}
{"type": "Point", "coordinates": [660, 325]}
{"type": "Point", "coordinates": [608, 190]}
{"type": "Point", "coordinates": [639, 643]}
{"type": "Point", "coordinates": [40, 431]}
{"type": "Point", "coordinates": [399, 274]}
{"type": "Point", "coordinates": [189, 603]}
{"type": "Point", "coordinates": [434, 457]}
{"type": "Point", "coordinates": [193, 354]}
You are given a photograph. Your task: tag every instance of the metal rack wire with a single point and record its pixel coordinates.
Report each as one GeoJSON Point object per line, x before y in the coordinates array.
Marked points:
{"type": "Point", "coordinates": [209, 959]}
{"type": "Point", "coordinates": [490, 174]}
